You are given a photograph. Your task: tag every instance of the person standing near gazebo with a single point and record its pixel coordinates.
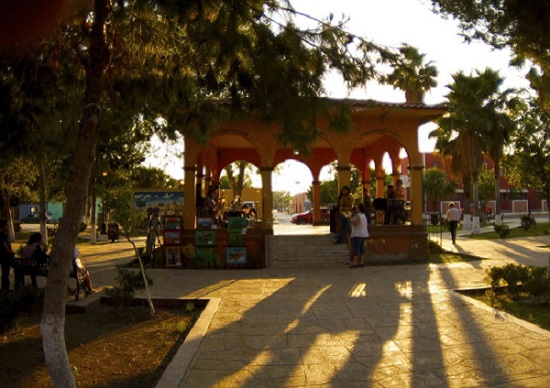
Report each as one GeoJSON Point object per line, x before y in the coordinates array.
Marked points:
{"type": "Point", "coordinates": [345, 204]}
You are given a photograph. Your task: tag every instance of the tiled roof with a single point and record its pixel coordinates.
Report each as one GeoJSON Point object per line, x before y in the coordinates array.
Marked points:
{"type": "Point", "coordinates": [365, 104]}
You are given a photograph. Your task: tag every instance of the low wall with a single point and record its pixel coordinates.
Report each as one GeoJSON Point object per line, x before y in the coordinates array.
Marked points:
{"type": "Point", "coordinates": [391, 243]}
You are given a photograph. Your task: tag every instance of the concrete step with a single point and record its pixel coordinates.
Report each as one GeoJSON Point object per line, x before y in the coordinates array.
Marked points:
{"type": "Point", "coordinates": [306, 250]}
{"type": "Point", "coordinates": [83, 305]}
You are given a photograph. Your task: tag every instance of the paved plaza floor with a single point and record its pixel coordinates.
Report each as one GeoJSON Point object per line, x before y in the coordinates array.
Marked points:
{"type": "Point", "coordinates": [377, 326]}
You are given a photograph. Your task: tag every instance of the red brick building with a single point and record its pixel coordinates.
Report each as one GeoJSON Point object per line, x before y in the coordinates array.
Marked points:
{"type": "Point", "coordinates": [513, 200]}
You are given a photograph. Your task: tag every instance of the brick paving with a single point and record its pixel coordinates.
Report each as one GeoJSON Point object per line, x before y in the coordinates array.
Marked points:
{"type": "Point", "coordinates": [377, 326]}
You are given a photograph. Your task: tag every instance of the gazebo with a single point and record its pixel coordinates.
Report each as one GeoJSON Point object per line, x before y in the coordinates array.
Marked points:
{"type": "Point", "coordinates": [376, 128]}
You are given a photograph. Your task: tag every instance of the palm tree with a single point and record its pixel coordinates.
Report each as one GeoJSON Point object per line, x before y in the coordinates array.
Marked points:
{"type": "Point", "coordinates": [472, 120]}
{"type": "Point", "coordinates": [499, 134]}
{"type": "Point", "coordinates": [411, 74]}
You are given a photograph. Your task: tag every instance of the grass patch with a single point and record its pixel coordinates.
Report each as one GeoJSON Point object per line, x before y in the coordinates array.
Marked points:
{"type": "Point", "coordinates": [540, 229]}
{"type": "Point", "coordinates": [524, 308]}
{"type": "Point", "coordinates": [436, 229]}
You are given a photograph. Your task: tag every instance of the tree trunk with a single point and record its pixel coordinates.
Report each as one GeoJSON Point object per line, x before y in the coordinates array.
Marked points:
{"type": "Point", "coordinates": [476, 229]}
{"type": "Point", "coordinates": [498, 218]}
{"type": "Point", "coordinates": [53, 316]}
{"type": "Point", "coordinates": [5, 211]}
{"type": "Point", "coordinates": [42, 193]}
{"type": "Point", "coordinates": [93, 218]}
{"type": "Point", "coordinates": [467, 222]}
{"type": "Point", "coordinates": [415, 96]}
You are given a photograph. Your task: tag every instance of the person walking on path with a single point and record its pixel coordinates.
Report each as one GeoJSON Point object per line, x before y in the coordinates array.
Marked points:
{"type": "Point", "coordinates": [345, 204]}
{"type": "Point", "coordinates": [359, 232]}
{"type": "Point", "coordinates": [453, 216]}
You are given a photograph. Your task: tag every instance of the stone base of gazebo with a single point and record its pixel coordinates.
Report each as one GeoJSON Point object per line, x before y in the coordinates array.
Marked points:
{"type": "Point", "coordinates": [387, 244]}
{"type": "Point", "coordinates": [391, 243]}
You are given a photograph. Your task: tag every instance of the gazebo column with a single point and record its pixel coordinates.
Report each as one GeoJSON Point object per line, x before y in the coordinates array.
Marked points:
{"type": "Point", "coordinates": [267, 199]}
{"type": "Point", "coordinates": [316, 202]}
{"type": "Point", "coordinates": [380, 175]}
{"type": "Point", "coordinates": [190, 212]}
{"type": "Point", "coordinates": [207, 180]}
{"type": "Point", "coordinates": [396, 170]}
{"type": "Point", "coordinates": [416, 194]}
{"type": "Point", "coordinates": [199, 187]}
{"type": "Point", "coordinates": [366, 189]}
{"type": "Point", "coordinates": [344, 176]}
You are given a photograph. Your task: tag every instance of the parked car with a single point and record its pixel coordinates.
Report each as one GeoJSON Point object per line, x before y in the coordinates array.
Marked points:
{"type": "Point", "coordinates": [33, 218]}
{"type": "Point", "coordinates": [307, 217]}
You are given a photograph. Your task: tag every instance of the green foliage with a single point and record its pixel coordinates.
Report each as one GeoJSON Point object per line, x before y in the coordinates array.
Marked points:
{"type": "Point", "coordinates": [503, 230]}
{"type": "Point", "coordinates": [527, 222]}
{"type": "Point", "coordinates": [329, 188]}
{"type": "Point", "coordinates": [512, 276]}
{"type": "Point", "coordinates": [533, 280]}
{"type": "Point", "coordinates": [151, 178]}
{"type": "Point", "coordinates": [495, 276]}
{"type": "Point", "coordinates": [491, 297]}
{"type": "Point", "coordinates": [190, 307]}
{"type": "Point", "coordinates": [475, 118]}
{"type": "Point", "coordinates": [238, 175]}
{"type": "Point", "coordinates": [529, 165]}
{"type": "Point", "coordinates": [122, 212]}
{"type": "Point", "coordinates": [437, 185]}
{"type": "Point", "coordinates": [127, 283]}
{"type": "Point", "coordinates": [411, 74]}
{"type": "Point", "coordinates": [183, 326]}
{"type": "Point", "coordinates": [486, 185]}
{"type": "Point", "coordinates": [538, 284]}
{"type": "Point", "coordinates": [518, 24]}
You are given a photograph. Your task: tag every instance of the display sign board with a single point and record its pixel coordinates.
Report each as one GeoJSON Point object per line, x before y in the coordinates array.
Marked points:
{"type": "Point", "coordinates": [235, 255]}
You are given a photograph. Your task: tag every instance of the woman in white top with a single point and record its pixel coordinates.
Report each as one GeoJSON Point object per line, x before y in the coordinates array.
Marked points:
{"type": "Point", "coordinates": [359, 233]}
{"type": "Point", "coordinates": [82, 272]}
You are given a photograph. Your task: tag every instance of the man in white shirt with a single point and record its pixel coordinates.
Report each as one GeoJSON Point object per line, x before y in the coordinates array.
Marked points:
{"type": "Point", "coordinates": [453, 216]}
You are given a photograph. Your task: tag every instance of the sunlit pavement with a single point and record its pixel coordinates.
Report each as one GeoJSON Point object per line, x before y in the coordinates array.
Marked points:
{"type": "Point", "coordinates": [377, 326]}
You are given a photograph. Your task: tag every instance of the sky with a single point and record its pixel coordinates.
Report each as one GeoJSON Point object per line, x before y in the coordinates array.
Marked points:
{"type": "Point", "coordinates": [392, 23]}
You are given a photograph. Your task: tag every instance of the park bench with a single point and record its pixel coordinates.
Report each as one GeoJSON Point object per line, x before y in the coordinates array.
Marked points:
{"type": "Point", "coordinates": [31, 267]}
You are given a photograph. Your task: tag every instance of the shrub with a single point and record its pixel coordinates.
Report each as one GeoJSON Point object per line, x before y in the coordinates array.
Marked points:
{"type": "Point", "coordinates": [538, 284]}
{"type": "Point", "coordinates": [527, 222]}
{"type": "Point", "coordinates": [515, 277]}
{"type": "Point", "coordinates": [128, 282]}
{"type": "Point", "coordinates": [495, 277]}
{"type": "Point", "coordinates": [503, 230]}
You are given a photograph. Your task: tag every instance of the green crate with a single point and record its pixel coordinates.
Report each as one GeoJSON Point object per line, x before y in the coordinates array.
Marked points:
{"type": "Point", "coordinates": [237, 223]}
{"type": "Point", "coordinates": [235, 238]}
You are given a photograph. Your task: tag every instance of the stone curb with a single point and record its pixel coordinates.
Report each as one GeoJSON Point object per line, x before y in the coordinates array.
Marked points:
{"type": "Point", "coordinates": [176, 369]}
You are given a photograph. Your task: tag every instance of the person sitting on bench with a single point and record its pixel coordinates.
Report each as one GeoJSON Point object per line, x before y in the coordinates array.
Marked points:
{"type": "Point", "coordinates": [82, 272]}
{"type": "Point", "coordinates": [33, 255]}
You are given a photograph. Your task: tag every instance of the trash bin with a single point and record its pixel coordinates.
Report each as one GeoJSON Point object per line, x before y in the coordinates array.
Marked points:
{"type": "Point", "coordinates": [112, 232]}
{"type": "Point", "coordinates": [434, 219]}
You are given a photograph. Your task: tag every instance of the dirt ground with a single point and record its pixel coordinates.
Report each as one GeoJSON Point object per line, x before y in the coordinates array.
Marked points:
{"type": "Point", "coordinates": [107, 347]}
